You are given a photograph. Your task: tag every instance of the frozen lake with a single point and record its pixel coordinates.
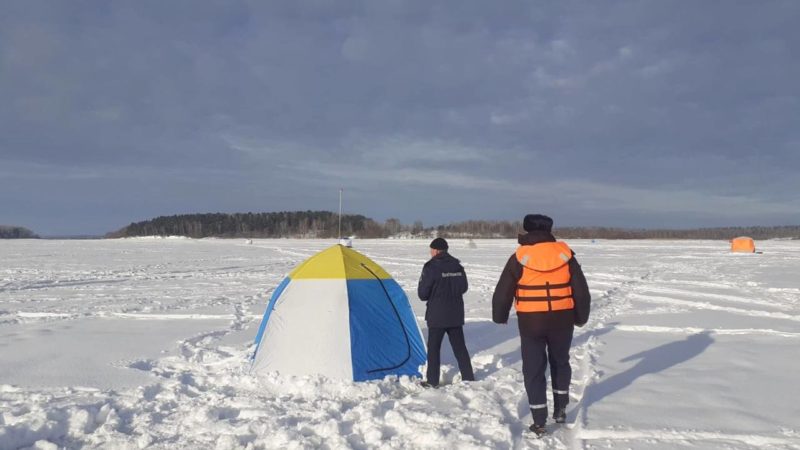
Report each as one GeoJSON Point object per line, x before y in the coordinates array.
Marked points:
{"type": "Point", "coordinates": [140, 343]}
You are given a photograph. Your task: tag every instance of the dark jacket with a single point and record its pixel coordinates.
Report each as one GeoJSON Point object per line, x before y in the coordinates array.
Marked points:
{"type": "Point", "coordinates": [442, 284]}
{"type": "Point", "coordinates": [539, 321]}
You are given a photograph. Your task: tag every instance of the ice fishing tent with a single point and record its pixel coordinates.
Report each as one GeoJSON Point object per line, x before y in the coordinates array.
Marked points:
{"type": "Point", "coordinates": [743, 244]}
{"type": "Point", "coordinates": [341, 315]}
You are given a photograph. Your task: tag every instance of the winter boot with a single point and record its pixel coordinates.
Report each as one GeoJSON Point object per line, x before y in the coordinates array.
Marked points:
{"type": "Point", "coordinates": [560, 400]}
{"type": "Point", "coordinates": [560, 414]}
{"type": "Point", "coordinates": [538, 429]}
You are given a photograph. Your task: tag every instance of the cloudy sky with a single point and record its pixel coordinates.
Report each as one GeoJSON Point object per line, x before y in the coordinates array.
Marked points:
{"type": "Point", "coordinates": [617, 113]}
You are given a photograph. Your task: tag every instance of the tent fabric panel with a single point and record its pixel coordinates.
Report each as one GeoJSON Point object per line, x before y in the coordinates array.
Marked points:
{"type": "Point", "coordinates": [308, 331]}
{"type": "Point", "coordinates": [270, 305]}
{"type": "Point", "coordinates": [383, 330]}
{"type": "Point", "coordinates": [743, 244]}
{"type": "Point", "coordinates": [339, 262]}
{"type": "Point", "coordinates": [359, 267]}
{"type": "Point", "coordinates": [326, 264]}
{"type": "Point", "coordinates": [419, 355]}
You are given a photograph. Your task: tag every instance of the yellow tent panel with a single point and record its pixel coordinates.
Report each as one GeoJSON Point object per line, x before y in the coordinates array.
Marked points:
{"type": "Point", "coordinates": [339, 262]}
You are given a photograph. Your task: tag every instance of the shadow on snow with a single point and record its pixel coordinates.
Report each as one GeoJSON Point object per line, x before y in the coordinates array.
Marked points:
{"type": "Point", "coordinates": [650, 361]}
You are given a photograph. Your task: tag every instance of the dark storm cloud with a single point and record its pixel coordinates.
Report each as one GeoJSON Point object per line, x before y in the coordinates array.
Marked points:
{"type": "Point", "coordinates": [614, 113]}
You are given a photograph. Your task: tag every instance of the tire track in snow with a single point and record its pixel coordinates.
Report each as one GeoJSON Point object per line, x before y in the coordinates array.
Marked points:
{"type": "Point", "coordinates": [684, 293]}
{"type": "Point", "coordinates": [719, 331]}
{"type": "Point", "coordinates": [712, 307]}
{"type": "Point", "coordinates": [758, 441]}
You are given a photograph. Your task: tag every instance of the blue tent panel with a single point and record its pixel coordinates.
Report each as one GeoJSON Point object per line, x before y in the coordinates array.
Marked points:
{"type": "Point", "coordinates": [275, 295]}
{"type": "Point", "coordinates": [383, 331]}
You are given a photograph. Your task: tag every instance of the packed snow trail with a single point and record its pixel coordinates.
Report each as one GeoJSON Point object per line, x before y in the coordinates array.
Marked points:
{"type": "Point", "coordinates": [144, 343]}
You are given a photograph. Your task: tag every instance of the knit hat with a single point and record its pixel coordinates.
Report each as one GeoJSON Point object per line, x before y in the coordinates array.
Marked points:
{"type": "Point", "coordinates": [439, 244]}
{"type": "Point", "coordinates": [537, 222]}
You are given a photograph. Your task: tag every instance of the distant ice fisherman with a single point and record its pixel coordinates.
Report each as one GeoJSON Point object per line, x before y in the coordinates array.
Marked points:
{"type": "Point", "coordinates": [546, 285]}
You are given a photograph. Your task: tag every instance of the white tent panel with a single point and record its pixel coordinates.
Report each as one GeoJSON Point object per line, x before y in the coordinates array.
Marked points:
{"type": "Point", "coordinates": [308, 331]}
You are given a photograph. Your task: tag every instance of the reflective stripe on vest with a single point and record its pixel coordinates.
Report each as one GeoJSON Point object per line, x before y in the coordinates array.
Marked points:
{"type": "Point", "coordinates": [544, 285]}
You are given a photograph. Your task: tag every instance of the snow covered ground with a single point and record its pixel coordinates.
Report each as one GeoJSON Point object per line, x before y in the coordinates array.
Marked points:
{"type": "Point", "coordinates": [143, 343]}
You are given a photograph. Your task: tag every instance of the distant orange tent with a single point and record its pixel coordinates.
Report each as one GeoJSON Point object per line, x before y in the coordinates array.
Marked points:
{"type": "Point", "coordinates": [743, 244]}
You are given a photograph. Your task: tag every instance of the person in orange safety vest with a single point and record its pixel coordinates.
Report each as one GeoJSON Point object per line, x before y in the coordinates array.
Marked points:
{"type": "Point", "coordinates": [545, 283]}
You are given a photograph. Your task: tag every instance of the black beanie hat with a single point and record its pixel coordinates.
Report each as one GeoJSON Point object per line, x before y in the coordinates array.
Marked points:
{"type": "Point", "coordinates": [439, 244]}
{"type": "Point", "coordinates": [534, 222]}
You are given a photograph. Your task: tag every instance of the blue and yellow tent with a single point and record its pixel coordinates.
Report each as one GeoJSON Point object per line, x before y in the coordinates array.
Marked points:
{"type": "Point", "coordinates": [341, 315]}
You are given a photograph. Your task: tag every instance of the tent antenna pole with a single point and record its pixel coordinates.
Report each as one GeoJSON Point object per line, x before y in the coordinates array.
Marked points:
{"type": "Point", "coordinates": [340, 213]}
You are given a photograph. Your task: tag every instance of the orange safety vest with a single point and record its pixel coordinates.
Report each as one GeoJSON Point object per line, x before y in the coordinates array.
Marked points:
{"type": "Point", "coordinates": [544, 285]}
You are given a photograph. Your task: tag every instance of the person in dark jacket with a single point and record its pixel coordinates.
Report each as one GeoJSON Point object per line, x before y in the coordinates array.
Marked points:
{"type": "Point", "coordinates": [442, 285]}
{"type": "Point", "coordinates": [548, 288]}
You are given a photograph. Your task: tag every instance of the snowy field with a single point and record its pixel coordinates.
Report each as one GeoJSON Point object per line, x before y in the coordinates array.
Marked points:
{"type": "Point", "coordinates": [143, 343]}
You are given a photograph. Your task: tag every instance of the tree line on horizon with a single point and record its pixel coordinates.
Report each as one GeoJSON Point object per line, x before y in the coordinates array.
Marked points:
{"type": "Point", "coordinates": [325, 224]}
{"type": "Point", "coordinates": [299, 224]}
{"type": "Point", "coordinates": [14, 232]}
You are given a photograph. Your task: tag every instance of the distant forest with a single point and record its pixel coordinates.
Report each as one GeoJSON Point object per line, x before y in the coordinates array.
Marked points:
{"type": "Point", "coordinates": [302, 224]}
{"type": "Point", "coordinates": [511, 229]}
{"type": "Point", "coordinates": [11, 232]}
{"type": "Point", "coordinates": [324, 224]}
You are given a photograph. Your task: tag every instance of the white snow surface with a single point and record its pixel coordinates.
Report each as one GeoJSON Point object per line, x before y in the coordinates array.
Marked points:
{"type": "Point", "coordinates": [144, 343]}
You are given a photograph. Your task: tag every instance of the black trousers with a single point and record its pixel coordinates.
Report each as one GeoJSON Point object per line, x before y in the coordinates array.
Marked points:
{"type": "Point", "coordinates": [537, 350]}
{"type": "Point", "coordinates": [456, 337]}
